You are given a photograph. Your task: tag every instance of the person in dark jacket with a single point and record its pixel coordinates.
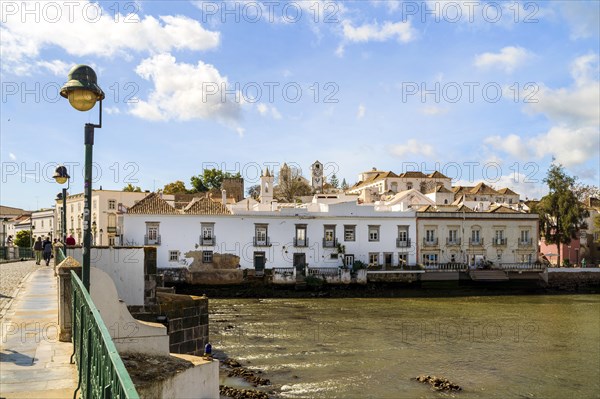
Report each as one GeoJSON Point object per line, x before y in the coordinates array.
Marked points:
{"type": "Point", "coordinates": [47, 251]}
{"type": "Point", "coordinates": [38, 247]}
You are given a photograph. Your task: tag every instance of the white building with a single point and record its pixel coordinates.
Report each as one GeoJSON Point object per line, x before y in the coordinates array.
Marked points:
{"type": "Point", "coordinates": [107, 208]}
{"type": "Point", "coordinates": [42, 223]}
{"type": "Point", "coordinates": [326, 232]}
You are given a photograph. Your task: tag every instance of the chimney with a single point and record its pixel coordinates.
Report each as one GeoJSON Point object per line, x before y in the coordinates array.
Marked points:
{"type": "Point", "coordinates": [224, 197]}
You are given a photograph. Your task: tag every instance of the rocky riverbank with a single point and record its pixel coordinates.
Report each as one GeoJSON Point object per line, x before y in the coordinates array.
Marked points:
{"type": "Point", "coordinates": [232, 368]}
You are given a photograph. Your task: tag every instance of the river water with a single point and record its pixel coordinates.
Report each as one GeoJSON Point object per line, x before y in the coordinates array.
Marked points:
{"type": "Point", "coordinates": [494, 347]}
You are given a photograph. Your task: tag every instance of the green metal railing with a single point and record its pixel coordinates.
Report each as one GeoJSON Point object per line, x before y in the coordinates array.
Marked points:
{"type": "Point", "coordinates": [60, 255]}
{"type": "Point", "coordinates": [102, 373]}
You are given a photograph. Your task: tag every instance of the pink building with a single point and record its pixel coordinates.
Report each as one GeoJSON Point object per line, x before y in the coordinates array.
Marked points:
{"type": "Point", "coordinates": [570, 252]}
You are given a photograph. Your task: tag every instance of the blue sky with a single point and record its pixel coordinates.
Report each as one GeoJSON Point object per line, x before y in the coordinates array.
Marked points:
{"type": "Point", "coordinates": [479, 90]}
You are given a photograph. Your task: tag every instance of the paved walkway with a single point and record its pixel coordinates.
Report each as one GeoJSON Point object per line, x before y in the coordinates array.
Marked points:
{"type": "Point", "coordinates": [33, 362]}
{"type": "Point", "coordinates": [11, 274]}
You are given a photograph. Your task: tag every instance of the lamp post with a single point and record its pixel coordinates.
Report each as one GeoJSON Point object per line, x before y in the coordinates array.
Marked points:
{"type": "Point", "coordinates": [83, 91]}
{"type": "Point", "coordinates": [101, 231]}
{"type": "Point", "coordinates": [61, 176]}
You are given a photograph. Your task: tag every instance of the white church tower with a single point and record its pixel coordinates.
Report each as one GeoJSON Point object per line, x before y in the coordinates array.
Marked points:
{"type": "Point", "coordinates": [266, 187]}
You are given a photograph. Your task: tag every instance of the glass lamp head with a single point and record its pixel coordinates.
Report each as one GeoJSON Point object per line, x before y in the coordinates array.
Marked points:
{"type": "Point", "coordinates": [82, 88]}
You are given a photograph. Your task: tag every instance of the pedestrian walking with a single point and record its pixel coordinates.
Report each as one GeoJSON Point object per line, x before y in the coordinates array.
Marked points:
{"type": "Point", "coordinates": [47, 251]}
{"type": "Point", "coordinates": [9, 241]}
{"type": "Point", "coordinates": [38, 247]}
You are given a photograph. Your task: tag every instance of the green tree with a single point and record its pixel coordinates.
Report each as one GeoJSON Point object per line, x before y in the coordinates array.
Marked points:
{"type": "Point", "coordinates": [560, 212]}
{"type": "Point", "coordinates": [23, 239]}
{"type": "Point", "coordinates": [344, 185]}
{"type": "Point", "coordinates": [132, 189]}
{"type": "Point", "coordinates": [176, 187]}
{"type": "Point", "coordinates": [211, 179]}
{"type": "Point", "coordinates": [254, 191]}
{"type": "Point", "coordinates": [335, 183]}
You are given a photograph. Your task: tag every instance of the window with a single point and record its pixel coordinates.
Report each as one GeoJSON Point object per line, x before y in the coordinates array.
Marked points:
{"type": "Point", "coordinates": [430, 259]}
{"type": "Point", "coordinates": [499, 237]}
{"type": "Point", "coordinates": [261, 234]}
{"type": "Point", "coordinates": [403, 233]}
{"type": "Point", "coordinates": [152, 233]}
{"type": "Point", "coordinates": [329, 240]}
{"type": "Point", "coordinates": [350, 233]}
{"type": "Point", "coordinates": [111, 241]}
{"type": "Point", "coordinates": [373, 258]}
{"type": "Point", "coordinates": [112, 204]}
{"type": "Point", "coordinates": [173, 256]}
{"type": "Point", "coordinates": [453, 236]}
{"type": "Point", "coordinates": [72, 208]}
{"type": "Point", "coordinates": [42, 223]}
{"type": "Point", "coordinates": [373, 233]}
{"type": "Point", "coordinates": [475, 236]}
{"type": "Point", "coordinates": [430, 236]}
{"type": "Point", "coordinates": [207, 256]}
{"type": "Point", "coordinates": [207, 234]}
{"type": "Point", "coordinates": [402, 259]}
{"type": "Point", "coordinates": [409, 186]}
{"type": "Point", "coordinates": [300, 239]}
{"type": "Point", "coordinates": [525, 236]}
{"type": "Point", "coordinates": [94, 204]}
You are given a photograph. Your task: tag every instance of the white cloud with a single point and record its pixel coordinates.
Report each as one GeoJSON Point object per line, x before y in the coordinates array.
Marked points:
{"type": "Point", "coordinates": [569, 146]}
{"type": "Point", "coordinates": [57, 67]}
{"type": "Point", "coordinates": [185, 91]}
{"type": "Point", "coordinates": [433, 110]}
{"type": "Point", "coordinates": [265, 110]}
{"type": "Point", "coordinates": [512, 144]}
{"type": "Point", "coordinates": [507, 59]}
{"type": "Point", "coordinates": [401, 31]}
{"type": "Point", "coordinates": [340, 50]}
{"type": "Point", "coordinates": [85, 35]}
{"type": "Point", "coordinates": [12, 156]}
{"type": "Point", "coordinates": [112, 110]}
{"type": "Point", "coordinates": [575, 112]}
{"type": "Point", "coordinates": [361, 112]}
{"type": "Point", "coordinates": [412, 146]}
{"type": "Point", "coordinates": [582, 16]}
{"type": "Point", "coordinates": [240, 131]}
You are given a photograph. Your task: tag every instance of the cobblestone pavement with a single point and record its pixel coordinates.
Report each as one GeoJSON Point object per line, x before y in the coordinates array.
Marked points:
{"type": "Point", "coordinates": [11, 275]}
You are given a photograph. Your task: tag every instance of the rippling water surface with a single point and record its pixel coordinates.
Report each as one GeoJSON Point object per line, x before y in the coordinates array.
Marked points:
{"type": "Point", "coordinates": [494, 347]}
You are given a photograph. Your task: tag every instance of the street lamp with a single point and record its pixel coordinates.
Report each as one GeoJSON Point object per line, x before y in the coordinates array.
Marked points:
{"type": "Point", "coordinates": [61, 176]}
{"type": "Point", "coordinates": [83, 91]}
{"type": "Point", "coordinates": [101, 231]}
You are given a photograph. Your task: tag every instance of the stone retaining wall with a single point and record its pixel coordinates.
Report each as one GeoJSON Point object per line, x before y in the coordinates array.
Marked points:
{"type": "Point", "coordinates": [187, 322]}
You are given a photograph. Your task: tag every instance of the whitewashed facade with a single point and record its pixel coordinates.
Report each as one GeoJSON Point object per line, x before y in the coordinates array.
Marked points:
{"type": "Point", "coordinates": [320, 234]}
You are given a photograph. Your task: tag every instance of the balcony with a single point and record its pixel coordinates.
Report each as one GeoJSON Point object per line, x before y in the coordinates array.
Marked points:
{"type": "Point", "coordinates": [432, 242]}
{"type": "Point", "coordinates": [499, 242]}
{"type": "Point", "coordinates": [476, 243]}
{"type": "Point", "coordinates": [152, 241]}
{"type": "Point", "coordinates": [402, 242]}
{"type": "Point", "coordinates": [208, 241]}
{"type": "Point", "coordinates": [525, 243]}
{"type": "Point", "coordinates": [111, 230]}
{"type": "Point", "coordinates": [300, 242]}
{"type": "Point", "coordinates": [261, 241]}
{"type": "Point", "coordinates": [453, 241]}
{"type": "Point", "coordinates": [330, 243]}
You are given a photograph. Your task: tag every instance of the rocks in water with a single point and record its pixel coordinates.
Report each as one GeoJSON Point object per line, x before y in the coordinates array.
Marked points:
{"type": "Point", "coordinates": [237, 370]}
{"type": "Point", "coordinates": [237, 393]}
{"type": "Point", "coordinates": [438, 383]}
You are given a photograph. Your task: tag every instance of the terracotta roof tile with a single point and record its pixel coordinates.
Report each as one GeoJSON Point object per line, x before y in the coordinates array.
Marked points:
{"type": "Point", "coordinates": [205, 206]}
{"type": "Point", "coordinates": [507, 191]}
{"type": "Point", "coordinates": [437, 175]}
{"type": "Point", "coordinates": [153, 204]}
